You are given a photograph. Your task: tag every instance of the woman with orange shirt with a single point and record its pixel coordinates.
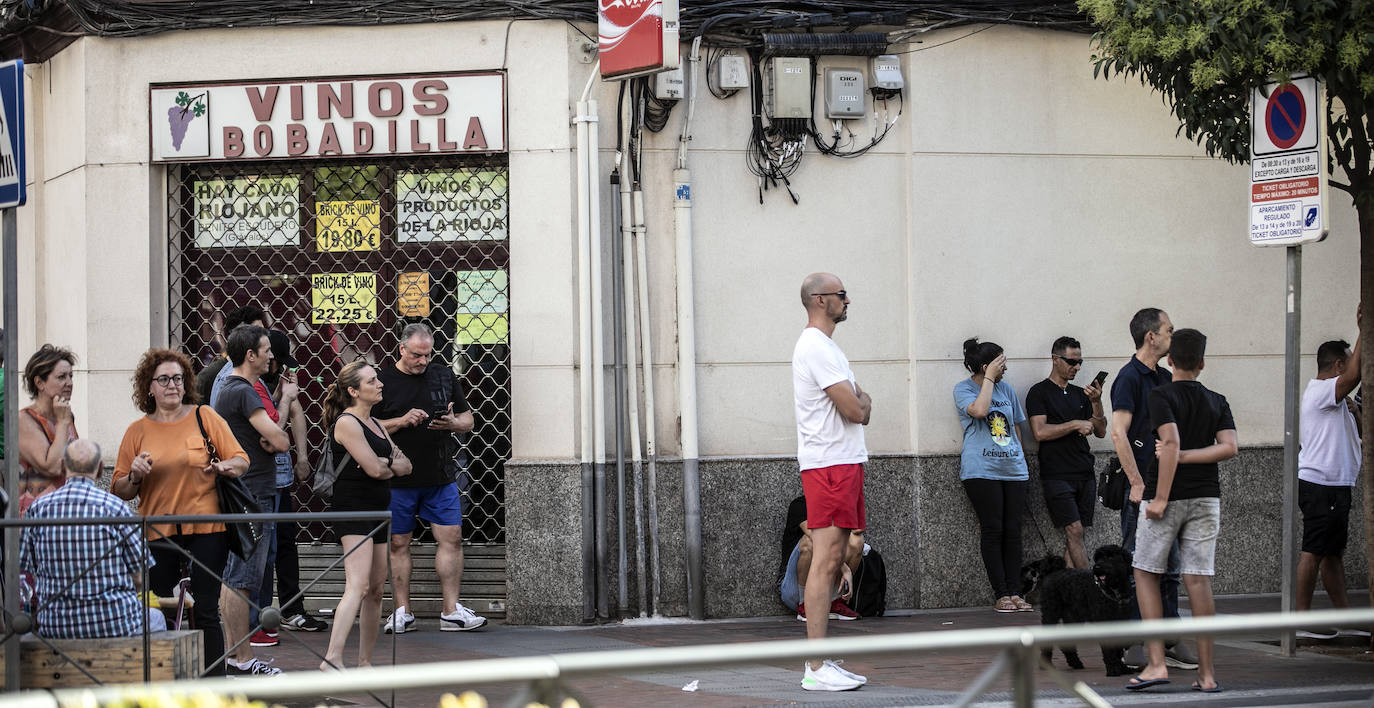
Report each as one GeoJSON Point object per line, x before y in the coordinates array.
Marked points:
{"type": "Point", "coordinates": [163, 461]}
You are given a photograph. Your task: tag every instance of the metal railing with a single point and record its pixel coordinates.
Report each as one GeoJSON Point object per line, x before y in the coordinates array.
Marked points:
{"type": "Point", "coordinates": [1018, 653]}
{"type": "Point", "coordinates": [269, 617]}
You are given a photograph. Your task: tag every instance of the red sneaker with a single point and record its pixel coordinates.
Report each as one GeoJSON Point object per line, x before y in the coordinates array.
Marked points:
{"type": "Point", "coordinates": [841, 611]}
{"type": "Point", "coordinates": [262, 638]}
{"type": "Point", "coordinates": [801, 611]}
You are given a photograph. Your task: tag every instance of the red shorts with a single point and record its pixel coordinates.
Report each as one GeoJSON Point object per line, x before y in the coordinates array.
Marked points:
{"type": "Point", "coordinates": [834, 496]}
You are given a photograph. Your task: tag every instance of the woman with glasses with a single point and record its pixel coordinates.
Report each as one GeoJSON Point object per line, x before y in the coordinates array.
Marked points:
{"type": "Point", "coordinates": [164, 463]}
{"type": "Point", "coordinates": [372, 459]}
{"type": "Point", "coordinates": [47, 426]}
{"type": "Point", "coordinates": [993, 468]}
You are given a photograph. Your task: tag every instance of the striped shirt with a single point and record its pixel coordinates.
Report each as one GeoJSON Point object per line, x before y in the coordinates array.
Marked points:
{"type": "Point", "coordinates": [101, 560]}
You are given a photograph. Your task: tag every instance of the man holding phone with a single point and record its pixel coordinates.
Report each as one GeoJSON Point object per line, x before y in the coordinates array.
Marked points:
{"type": "Point", "coordinates": [1062, 415]}
{"type": "Point", "coordinates": [422, 408]}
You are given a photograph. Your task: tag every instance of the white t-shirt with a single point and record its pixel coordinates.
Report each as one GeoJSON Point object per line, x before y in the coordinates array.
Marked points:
{"type": "Point", "coordinates": [824, 437]}
{"type": "Point", "coordinates": [1330, 453]}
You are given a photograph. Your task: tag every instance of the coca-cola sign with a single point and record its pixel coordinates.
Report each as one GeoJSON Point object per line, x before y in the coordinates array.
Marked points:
{"type": "Point", "coordinates": [637, 36]}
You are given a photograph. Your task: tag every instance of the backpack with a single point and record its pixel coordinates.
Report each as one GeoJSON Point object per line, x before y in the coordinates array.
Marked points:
{"type": "Point", "coordinates": [327, 472]}
{"type": "Point", "coordinates": [870, 585]}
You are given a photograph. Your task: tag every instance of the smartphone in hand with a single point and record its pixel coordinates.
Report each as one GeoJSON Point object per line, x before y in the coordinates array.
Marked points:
{"type": "Point", "coordinates": [1100, 379]}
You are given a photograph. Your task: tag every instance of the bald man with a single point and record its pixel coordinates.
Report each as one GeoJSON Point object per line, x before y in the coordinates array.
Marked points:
{"type": "Point", "coordinates": [831, 411]}
{"type": "Point", "coordinates": [87, 576]}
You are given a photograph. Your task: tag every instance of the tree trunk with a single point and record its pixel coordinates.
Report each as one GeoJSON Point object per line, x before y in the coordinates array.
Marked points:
{"type": "Point", "coordinates": [1365, 210]}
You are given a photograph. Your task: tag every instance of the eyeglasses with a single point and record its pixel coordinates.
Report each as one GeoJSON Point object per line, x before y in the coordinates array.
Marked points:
{"type": "Point", "coordinates": [166, 381]}
{"type": "Point", "coordinates": [1070, 362]}
{"type": "Point", "coordinates": [844, 294]}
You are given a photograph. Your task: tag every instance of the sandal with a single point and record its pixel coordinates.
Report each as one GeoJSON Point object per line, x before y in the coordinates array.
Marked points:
{"type": "Point", "coordinates": [1004, 604]}
{"type": "Point", "coordinates": [1022, 605]}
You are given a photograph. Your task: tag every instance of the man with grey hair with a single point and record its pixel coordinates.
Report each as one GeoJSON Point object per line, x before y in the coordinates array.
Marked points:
{"type": "Point", "coordinates": [87, 576]}
{"type": "Point", "coordinates": [423, 408]}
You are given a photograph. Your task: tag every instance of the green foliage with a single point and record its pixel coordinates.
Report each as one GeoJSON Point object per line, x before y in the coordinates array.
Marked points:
{"type": "Point", "coordinates": [1205, 56]}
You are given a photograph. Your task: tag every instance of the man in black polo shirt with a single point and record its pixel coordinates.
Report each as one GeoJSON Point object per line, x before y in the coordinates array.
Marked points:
{"type": "Point", "coordinates": [1183, 499]}
{"type": "Point", "coordinates": [1062, 415]}
{"type": "Point", "coordinates": [1133, 436]}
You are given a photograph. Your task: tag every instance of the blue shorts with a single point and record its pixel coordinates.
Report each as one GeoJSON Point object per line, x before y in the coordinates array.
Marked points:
{"type": "Point", "coordinates": [790, 591]}
{"type": "Point", "coordinates": [442, 505]}
{"type": "Point", "coordinates": [242, 574]}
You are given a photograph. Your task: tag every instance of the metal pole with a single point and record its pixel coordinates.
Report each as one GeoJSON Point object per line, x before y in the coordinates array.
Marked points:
{"type": "Point", "coordinates": [11, 320]}
{"type": "Point", "coordinates": [1023, 676]}
{"type": "Point", "coordinates": [584, 361]}
{"type": "Point", "coordinates": [618, 356]}
{"type": "Point", "coordinates": [1291, 360]}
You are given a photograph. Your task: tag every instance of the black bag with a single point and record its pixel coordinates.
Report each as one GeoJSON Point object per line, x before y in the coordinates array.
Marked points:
{"type": "Point", "coordinates": [234, 498]}
{"type": "Point", "coordinates": [1111, 485]}
{"type": "Point", "coordinates": [870, 585]}
{"type": "Point", "coordinates": [326, 472]}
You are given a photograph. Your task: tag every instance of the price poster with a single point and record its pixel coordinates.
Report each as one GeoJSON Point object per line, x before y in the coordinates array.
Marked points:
{"type": "Point", "coordinates": [483, 307]}
{"type": "Point", "coordinates": [348, 226]}
{"type": "Point", "coordinates": [412, 294]}
{"type": "Point", "coordinates": [247, 212]}
{"type": "Point", "coordinates": [343, 298]}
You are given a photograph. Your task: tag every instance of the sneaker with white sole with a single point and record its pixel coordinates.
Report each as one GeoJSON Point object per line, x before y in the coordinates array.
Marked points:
{"type": "Point", "coordinates": [1179, 656]}
{"type": "Point", "coordinates": [255, 667]}
{"type": "Point", "coordinates": [461, 619]}
{"type": "Point", "coordinates": [304, 623]}
{"type": "Point", "coordinates": [399, 622]}
{"type": "Point", "coordinates": [827, 678]}
{"type": "Point", "coordinates": [850, 674]}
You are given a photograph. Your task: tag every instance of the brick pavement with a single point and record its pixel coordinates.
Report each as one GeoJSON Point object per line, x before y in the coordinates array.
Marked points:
{"type": "Point", "coordinates": [1248, 668]}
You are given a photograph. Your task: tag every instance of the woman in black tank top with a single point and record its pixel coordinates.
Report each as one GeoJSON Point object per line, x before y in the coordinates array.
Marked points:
{"type": "Point", "coordinates": [362, 486]}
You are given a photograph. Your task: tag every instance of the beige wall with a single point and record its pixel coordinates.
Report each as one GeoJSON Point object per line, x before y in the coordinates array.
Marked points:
{"type": "Point", "coordinates": [1017, 199]}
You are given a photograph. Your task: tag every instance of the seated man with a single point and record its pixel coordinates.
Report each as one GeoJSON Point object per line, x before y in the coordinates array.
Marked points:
{"type": "Point", "coordinates": [796, 550]}
{"type": "Point", "coordinates": [87, 576]}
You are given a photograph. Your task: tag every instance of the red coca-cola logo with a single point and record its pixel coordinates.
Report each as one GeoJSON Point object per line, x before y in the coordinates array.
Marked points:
{"type": "Point", "coordinates": [625, 12]}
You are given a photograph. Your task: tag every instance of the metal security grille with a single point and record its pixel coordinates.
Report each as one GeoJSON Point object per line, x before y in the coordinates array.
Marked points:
{"type": "Point", "coordinates": [341, 256]}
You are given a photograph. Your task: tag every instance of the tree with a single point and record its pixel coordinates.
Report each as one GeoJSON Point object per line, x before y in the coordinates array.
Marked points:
{"type": "Point", "coordinates": [1205, 57]}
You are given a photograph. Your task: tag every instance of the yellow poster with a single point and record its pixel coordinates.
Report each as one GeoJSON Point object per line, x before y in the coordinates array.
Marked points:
{"type": "Point", "coordinates": [348, 226]}
{"type": "Point", "coordinates": [412, 293]}
{"type": "Point", "coordinates": [343, 298]}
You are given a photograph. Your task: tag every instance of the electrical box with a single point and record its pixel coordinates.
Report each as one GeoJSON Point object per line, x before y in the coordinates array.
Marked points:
{"type": "Point", "coordinates": [844, 93]}
{"type": "Point", "coordinates": [668, 85]}
{"type": "Point", "coordinates": [789, 88]}
{"type": "Point", "coordinates": [887, 75]}
{"type": "Point", "coordinates": [732, 72]}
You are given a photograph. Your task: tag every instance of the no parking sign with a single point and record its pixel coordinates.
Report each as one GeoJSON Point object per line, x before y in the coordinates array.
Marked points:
{"type": "Point", "coordinates": [1287, 174]}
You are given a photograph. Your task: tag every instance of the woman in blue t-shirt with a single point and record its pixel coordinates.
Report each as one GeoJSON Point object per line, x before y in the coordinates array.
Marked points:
{"type": "Point", "coordinates": [993, 467]}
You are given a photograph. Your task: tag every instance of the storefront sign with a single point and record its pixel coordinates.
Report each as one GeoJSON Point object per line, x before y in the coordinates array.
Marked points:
{"type": "Point", "coordinates": [483, 304]}
{"type": "Point", "coordinates": [247, 212]}
{"type": "Point", "coordinates": [348, 226]}
{"type": "Point", "coordinates": [397, 115]}
{"type": "Point", "coordinates": [412, 294]}
{"type": "Point", "coordinates": [343, 298]}
{"type": "Point", "coordinates": [451, 205]}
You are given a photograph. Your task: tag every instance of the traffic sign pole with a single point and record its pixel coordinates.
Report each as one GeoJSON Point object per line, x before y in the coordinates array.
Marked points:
{"type": "Point", "coordinates": [1291, 353]}
{"type": "Point", "coordinates": [12, 195]}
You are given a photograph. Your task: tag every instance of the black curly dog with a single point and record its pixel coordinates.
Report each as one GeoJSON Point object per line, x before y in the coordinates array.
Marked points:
{"type": "Point", "coordinates": [1102, 594]}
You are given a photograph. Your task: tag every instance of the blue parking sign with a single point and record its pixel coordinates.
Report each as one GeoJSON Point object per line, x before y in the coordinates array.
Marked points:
{"type": "Point", "coordinates": [12, 192]}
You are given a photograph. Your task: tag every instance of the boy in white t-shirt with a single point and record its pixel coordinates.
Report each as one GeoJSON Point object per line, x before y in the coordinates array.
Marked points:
{"type": "Point", "coordinates": [1328, 463]}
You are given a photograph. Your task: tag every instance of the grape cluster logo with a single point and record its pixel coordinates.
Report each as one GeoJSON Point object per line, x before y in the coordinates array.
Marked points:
{"type": "Point", "coordinates": [180, 116]}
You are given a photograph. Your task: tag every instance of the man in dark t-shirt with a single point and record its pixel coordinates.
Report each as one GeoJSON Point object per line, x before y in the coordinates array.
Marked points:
{"type": "Point", "coordinates": [1062, 416]}
{"type": "Point", "coordinates": [422, 408]}
{"type": "Point", "coordinates": [242, 408]}
{"type": "Point", "coordinates": [1183, 499]}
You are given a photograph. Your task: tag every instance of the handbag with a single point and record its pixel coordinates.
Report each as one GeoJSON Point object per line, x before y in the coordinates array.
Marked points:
{"type": "Point", "coordinates": [1111, 485]}
{"type": "Point", "coordinates": [234, 498]}
{"type": "Point", "coordinates": [327, 473]}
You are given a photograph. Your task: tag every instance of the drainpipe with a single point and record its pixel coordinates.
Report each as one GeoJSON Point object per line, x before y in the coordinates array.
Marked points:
{"type": "Point", "coordinates": [686, 354]}
{"type": "Point", "coordinates": [631, 393]}
{"type": "Point", "coordinates": [650, 418]}
{"type": "Point", "coordinates": [584, 118]}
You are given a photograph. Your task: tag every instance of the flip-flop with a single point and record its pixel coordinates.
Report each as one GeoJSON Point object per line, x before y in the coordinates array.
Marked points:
{"type": "Point", "coordinates": [1139, 684]}
{"type": "Point", "coordinates": [1215, 689]}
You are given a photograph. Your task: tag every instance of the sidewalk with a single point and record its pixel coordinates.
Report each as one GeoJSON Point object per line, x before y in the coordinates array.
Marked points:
{"type": "Point", "coordinates": [1247, 667]}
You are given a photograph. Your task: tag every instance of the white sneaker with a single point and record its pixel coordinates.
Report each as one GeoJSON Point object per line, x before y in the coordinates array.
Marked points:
{"type": "Point", "coordinates": [461, 619]}
{"type": "Point", "coordinates": [399, 622]}
{"type": "Point", "coordinates": [850, 674]}
{"type": "Point", "coordinates": [827, 678]}
{"type": "Point", "coordinates": [255, 667]}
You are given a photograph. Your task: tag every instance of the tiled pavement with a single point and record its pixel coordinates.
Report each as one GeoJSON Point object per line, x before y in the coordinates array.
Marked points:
{"type": "Point", "coordinates": [1247, 667]}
